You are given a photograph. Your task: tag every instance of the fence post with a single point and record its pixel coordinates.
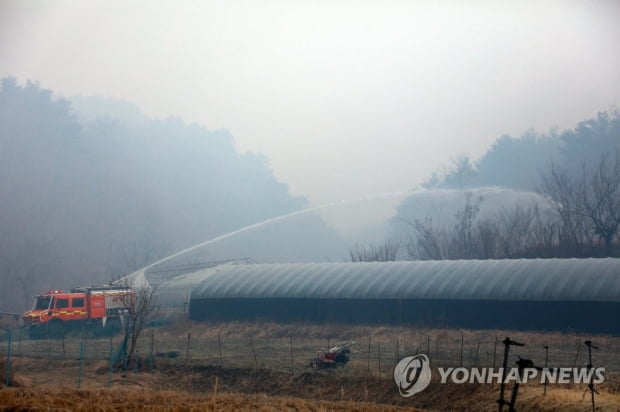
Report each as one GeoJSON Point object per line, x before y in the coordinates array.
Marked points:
{"type": "Point", "coordinates": [397, 351]}
{"type": "Point", "coordinates": [379, 356]}
{"type": "Point", "coordinates": [189, 335]}
{"type": "Point", "coordinates": [292, 359]}
{"type": "Point", "coordinates": [219, 347]}
{"type": "Point", "coordinates": [8, 360]}
{"type": "Point", "coordinates": [19, 342]}
{"type": "Point", "coordinates": [111, 361]}
{"type": "Point", "coordinates": [369, 356]}
{"type": "Point", "coordinates": [125, 359]}
{"type": "Point", "coordinates": [329, 372]}
{"type": "Point", "coordinates": [152, 349]}
{"type": "Point", "coordinates": [215, 387]}
{"type": "Point", "coordinates": [253, 352]}
{"type": "Point", "coordinates": [577, 354]}
{"type": "Point", "coordinates": [494, 351]}
{"type": "Point", "coordinates": [462, 343]}
{"type": "Point", "coordinates": [79, 383]}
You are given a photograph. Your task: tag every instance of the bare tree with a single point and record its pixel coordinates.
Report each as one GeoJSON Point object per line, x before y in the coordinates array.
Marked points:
{"type": "Point", "coordinates": [427, 242]}
{"type": "Point", "coordinates": [519, 232]}
{"type": "Point", "coordinates": [584, 220]}
{"type": "Point", "coordinates": [488, 237]}
{"type": "Point", "coordinates": [599, 198]}
{"type": "Point", "coordinates": [588, 205]}
{"type": "Point", "coordinates": [515, 226]}
{"type": "Point", "coordinates": [464, 242]}
{"type": "Point", "coordinates": [543, 234]}
{"type": "Point", "coordinates": [375, 253]}
{"type": "Point", "coordinates": [435, 243]}
{"type": "Point", "coordinates": [141, 306]}
{"type": "Point", "coordinates": [561, 191]}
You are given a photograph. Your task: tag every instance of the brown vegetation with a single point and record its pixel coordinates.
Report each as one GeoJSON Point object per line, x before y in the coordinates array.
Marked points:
{"type": "Point", "coordinates": [271, 376]}
{"type": "Point", "coordinates": [214, 388]}
{"type": "Point", "coordinates": [108, 400]}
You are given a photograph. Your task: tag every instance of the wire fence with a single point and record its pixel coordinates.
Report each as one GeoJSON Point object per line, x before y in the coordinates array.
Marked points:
{"type": "Point", "coordinates": [72, 359]}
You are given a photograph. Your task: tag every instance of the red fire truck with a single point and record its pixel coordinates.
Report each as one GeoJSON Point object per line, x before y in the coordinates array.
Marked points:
{"type": "Point", "coordinates": [96, 308]}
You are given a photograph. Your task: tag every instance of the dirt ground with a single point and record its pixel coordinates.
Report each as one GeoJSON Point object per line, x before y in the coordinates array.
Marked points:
{"type": "Point", "coordinates": [239, 366]}
{"type": "Point", "coordinates": [174, 387]}
{"type": "Point", "coordinates": [141, 400]}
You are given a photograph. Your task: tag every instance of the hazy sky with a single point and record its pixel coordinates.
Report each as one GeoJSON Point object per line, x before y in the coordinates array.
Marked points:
{"type": "Point", "coordinates": [346, 98]}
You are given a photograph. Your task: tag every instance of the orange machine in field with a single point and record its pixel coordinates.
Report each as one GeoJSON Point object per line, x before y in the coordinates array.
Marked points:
{"type": "Point", "coordinates": [99, 308]}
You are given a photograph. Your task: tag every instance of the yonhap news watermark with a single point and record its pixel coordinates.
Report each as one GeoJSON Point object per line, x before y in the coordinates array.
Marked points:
{"type": "Point", "coordinates": [541, 375]}
{"type": "Point", "coordinates": [413, 374]}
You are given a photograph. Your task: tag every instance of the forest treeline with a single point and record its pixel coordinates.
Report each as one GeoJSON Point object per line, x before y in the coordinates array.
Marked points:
{"type": "Point", "coordinates": [89, 196]}
{"type": "Point", "coordinates": [576, 175]}
{"type": "Point", "coordinates": [93, 189]}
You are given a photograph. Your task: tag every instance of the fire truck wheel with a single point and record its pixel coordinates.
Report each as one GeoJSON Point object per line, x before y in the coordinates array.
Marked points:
{"type": "Point", "coordinates": [56, 329]}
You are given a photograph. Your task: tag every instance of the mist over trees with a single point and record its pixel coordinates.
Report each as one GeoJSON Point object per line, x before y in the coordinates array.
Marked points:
{"type": "Point", "coordinates": [93, 189]}
{"type": "Point", "coordinates": [518, 162]}
{"type": "Point", "coordinates": [96, 191]}
{"type": "Point", "coordinates": [576, 174]}
{"type": "Point", "coordinates": [517, 232]}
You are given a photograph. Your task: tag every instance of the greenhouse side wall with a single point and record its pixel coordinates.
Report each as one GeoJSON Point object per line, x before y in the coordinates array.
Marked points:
{"type": "Point", "coordinates": [580, 317]}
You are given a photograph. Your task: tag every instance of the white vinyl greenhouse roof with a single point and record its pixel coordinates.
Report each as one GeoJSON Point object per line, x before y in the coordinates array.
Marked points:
{"type": "Point", "coordinates": [596, 280]}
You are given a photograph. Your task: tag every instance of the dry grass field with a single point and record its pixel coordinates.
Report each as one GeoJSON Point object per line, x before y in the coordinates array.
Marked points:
{"type": "Point", "coordinates": [262, 366]}
{"type": "Point", "coordinates": [142, 400]}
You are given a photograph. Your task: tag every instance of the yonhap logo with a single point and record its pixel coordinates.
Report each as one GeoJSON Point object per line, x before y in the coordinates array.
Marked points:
{"type": "Point", "coordinates": [412, 374]}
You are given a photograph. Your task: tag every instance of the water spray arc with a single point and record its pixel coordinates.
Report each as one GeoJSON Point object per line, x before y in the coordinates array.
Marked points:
{"type": "Point", "coordinates": [137, 274]}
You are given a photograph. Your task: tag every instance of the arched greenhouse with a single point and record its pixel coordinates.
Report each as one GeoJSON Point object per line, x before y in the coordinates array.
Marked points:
{"type": "Point", "coordinates": [545, 294]}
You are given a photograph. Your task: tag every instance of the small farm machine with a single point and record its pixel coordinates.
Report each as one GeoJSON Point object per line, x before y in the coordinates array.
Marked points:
{"type": "Point", "coordinates": [335, 357]}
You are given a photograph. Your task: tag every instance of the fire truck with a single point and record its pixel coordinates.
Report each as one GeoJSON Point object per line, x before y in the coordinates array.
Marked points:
{"type": "Point", "coordinates": [100, 309]}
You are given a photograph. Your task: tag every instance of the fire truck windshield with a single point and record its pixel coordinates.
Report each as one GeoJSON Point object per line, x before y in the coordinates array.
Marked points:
{"type": "Point", "coordinates": [42, 302]}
